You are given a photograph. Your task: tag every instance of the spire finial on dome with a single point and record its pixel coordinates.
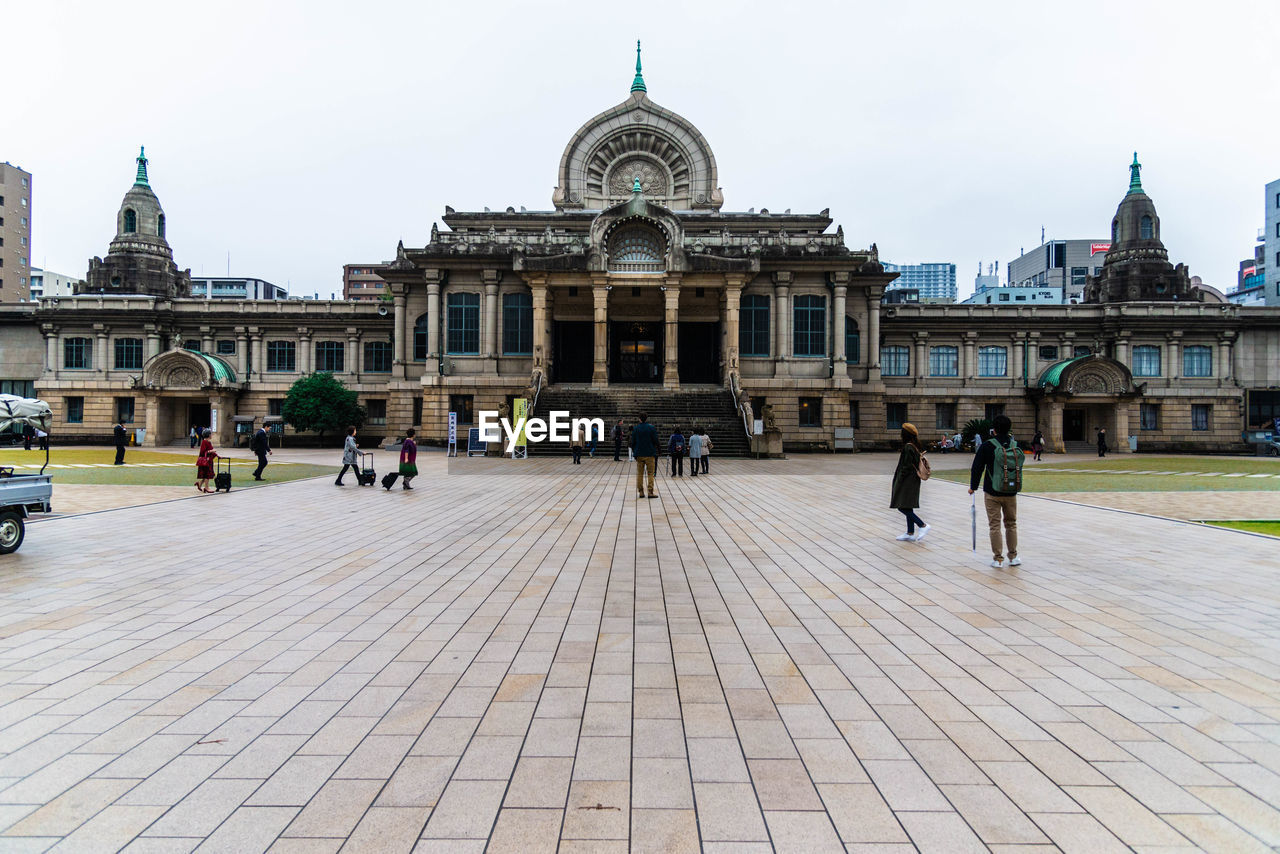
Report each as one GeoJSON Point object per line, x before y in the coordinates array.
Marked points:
{"type": "Point", "coordinates": [142, 166]}
{"type": "Point", "coordinates": [637, 85]}
{"type": "Point", "coordinates": [1135, 179]}
{"type": "Point", "coordinates": [636, 188]}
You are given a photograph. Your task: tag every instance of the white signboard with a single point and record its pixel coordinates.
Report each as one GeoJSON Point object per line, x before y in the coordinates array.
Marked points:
{"type": "Point", "coordinates": [758, 428]}
{"type": "Point", "coordinates": [453, 435]}
{"type": "Point", "coordinates": [213, 421]}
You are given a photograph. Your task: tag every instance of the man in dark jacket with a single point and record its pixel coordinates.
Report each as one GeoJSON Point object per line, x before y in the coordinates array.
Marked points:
{"type": "Point", "coordinates": [261, 446]}
{"type": "Point", "coordinates": [998, 504]}
{"type": "Point", "coordinates": [644, 444]}
{"type": "Point", "coordinates": [121, 440]}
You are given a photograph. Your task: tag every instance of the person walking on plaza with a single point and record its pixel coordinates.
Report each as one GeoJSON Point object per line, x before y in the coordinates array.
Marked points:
{"type": "Point", "coordinates": [575, 446]}
{"type": "Point", "coordinates": [999, 467]}
{"type": "Point", "coordinates": [1102, 442]}
{"type": "Point", "coordinates": [905, 495]}
{"type": "Point", "coordinates": [695, 451]}
{"type": "Point", "coordinates": [194, 435]}
{"type": "Point", "coordinates": [204, 462]}
{"type": "Point", "coordinates": [644, 445]}
{"type": "Point", "coordinates": [617, 440]}
{"type": "Point", "coordinates": [408, 458]}
{"type": "Point", "coordinates": [27, 435]}
{"type": "Point", "coordinates": [1037, 445]}
{"type": "Point", "coordinates": [260, 444]}
{"type": "Point", "coordinates": [706, 452]}
{"type": "Point", "coordinates": [122, 438]}
{"type": "Point", "coordinates": [676, 448]}
{"type": "Point", "coordinates": [350, 457]}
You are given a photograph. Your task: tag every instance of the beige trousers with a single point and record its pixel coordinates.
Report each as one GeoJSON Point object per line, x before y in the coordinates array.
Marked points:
{"type": "Point", "coordinates": [1006, 506]}
{"type": "Point", "coordinates": [643, 463]}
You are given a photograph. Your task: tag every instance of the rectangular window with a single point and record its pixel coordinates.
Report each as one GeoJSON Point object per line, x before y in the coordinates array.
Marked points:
{"type": "Point", "coordinates": [895, 361]}
{"type": "Point", "coordinates": [377, 410]}
{"type": "Point", "coordinates": [377, 357]}
{"type": "Point", "coordinates": [463, 319]}
{"type": "Point", "coordinates": [464, 405]}
{"type": "Point", "coordinates": [282, 356]}
{"type": "Point", "coordinates": [1078, 275]}
{"type": "Point", "coordinates": [810, 326]}
{"type": "Point", "coordinates": [1197, 361]}
{"type": "Point", "coordinates": [1146, 361]}
{"type": "Point", "coordinates": [331, 356]}
{"type": "Point", "coordinates": [993, 361]}
{"type": "Point", "coordinates": [77, 354]}
{"type": "Point", "coordinates": [854, 415]}
{"type": "Point", "coordinates": [944, 416]}
{"type": "Point", "coordinates": [192, 344]}
{"type": "Point", "coordinates": [944, 361]}
{"type": "Point", "coordinates": [1082, 351]}
{"type": "Point", "coordinates": [895, 415]}
{"type": "Point", "coordinates": [517, 324]}
{"type": "Point", "coordinates": [22, 388]}
{"type": "Point", "coordinates": [124, 410]}
{"type": "Point", "coordinates": [852, 341]}
{"type": "Point", "coordinates": [75, 410]}
{"type": "Point", "coordinates": [810, 412]}
{"type": "Point", "coordinates": [1048, 353]}
{"type": "Point", "coordinates": [128, 354]}
{"type": "Point", "coordinates": [1200, 416]}
{"type": "Point", "coordinates": [226, 347]}
{"type": "Point", "coordinates": [1004, 297]}
{"type": "Point", "coordinates": [1149, 416]}
{"type": "Point", "coordinates": [275, 406]}
{"type": "Point", "coordinates": [417, 412]}
{"type": "Point", "coordinates": [753, 325]}
{"type": "Point", "coordinates": [991, 410]}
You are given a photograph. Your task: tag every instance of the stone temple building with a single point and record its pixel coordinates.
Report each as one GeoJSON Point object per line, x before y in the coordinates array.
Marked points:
{"type": "Point", "coordinates": [638, 290]}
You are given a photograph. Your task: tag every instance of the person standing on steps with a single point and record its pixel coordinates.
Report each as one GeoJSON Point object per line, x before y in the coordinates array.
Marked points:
{"type": "Point", "coordinates": [194, 435]}
{"type": "Point", "coordinates": [905, 496]}
{"type": "Point", "coordinates": [121, 441]}
{"type": "Point", "coordinates": [675, 447]}
{"type": "Point", "coordinates": [260, 444]}
{"type": "Point", "coordinates": [695, 451]}
{"type": "Point", "coordinates": [350, 457]}
{"type": "Point", "coordinates": [644, 445]}
{"type": "Point", "coordinates": [999, 466]}
{"type": "Point", "coordinates": [617, 441]}
{"type": "Point", "coordinates": [408, 458]}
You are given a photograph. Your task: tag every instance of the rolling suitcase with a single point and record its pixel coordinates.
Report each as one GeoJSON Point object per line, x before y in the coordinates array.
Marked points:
{"type": "Point", "coordinates": [389, 480]}
{"type": "Point", "coordinates": [367, 475]}
{"type": "Point", "coordinates": [222, 480]}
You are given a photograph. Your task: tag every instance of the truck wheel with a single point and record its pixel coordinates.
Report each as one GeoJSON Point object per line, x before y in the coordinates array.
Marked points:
{"type": "Point", "coordinates": [11, 532]}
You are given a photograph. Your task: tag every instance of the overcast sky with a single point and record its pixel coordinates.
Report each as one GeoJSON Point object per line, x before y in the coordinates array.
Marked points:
{"type": "Point", "coordinates": [301, 136]}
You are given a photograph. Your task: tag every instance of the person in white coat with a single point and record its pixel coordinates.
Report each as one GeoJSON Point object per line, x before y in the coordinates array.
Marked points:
{"type": "Point", "coordinates": [695, 450]}
{"type": "Point", "coordinates": [706, 452]}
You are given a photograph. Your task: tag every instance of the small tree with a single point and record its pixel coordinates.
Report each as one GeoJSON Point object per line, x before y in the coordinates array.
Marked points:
{"type": "Point", "coordinates": [322, 403]}
{"type": "Point", "coordinates": [975, 427]}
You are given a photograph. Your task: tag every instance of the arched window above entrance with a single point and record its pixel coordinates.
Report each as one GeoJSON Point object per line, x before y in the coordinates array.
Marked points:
{"type": "Point", "coordinates": [637, 248]}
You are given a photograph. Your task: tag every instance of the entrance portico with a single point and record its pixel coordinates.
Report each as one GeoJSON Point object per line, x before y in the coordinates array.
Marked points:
{"type": "Point", "coordinates": [180, 387]}
{"type": "Point", "coordinates": [1079, 396]}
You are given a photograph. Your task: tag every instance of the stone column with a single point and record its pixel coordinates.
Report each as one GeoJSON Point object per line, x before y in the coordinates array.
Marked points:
{"type": "Point", "coordinates": [1016, 345]}
{"type": "Point", "coordinates": [1122, 350]}
{"type": "Point", "coordinates": [433, 325]}
{"type": "Point", "coordinates": [872, 347]}
{"type": "Point", "coordinates": [1033, 357]}
{"type": "Point", "coordinates": [732, 313]}
{"type": "Point", "coordinates": [256, 359]}
{"type": "Point", "coordinates": [781, 323]}
{"type": "Point", "coordinates": [304, 350]}
{"type": "Point", "coordinates": [353, 353]}
{"type": "Point", "coordinates": [838, 355]}
{"type": "Point", "coordinates": [151, 421]}
{"type": "Point", "coordinates": [671, 338]}
{"type": "Point", "coordinates": [1174, 368]}
{"type": "Point", "coordinates": [242, 354]}
{"type": "Point", "coordinates": [1223, 368]}
{"type": "Point", "coordinates": [1053, 433]}
{"type": "Point", "coordinates": [206, 339]}
{"type": "Point", "coordinates": [50, 348]}
{"type": "Point", "coordinates": [970, 342]}
{"type": "Point", "coordinates": [400, 349]}
{"type": "Point", "coordinates": [1120, 428]}
{"type": "Point", "coordinates": [600, 332]}
{"type": "Point", "coordinates": [489, 346]}
{"type": "Point", "coordinates": [919, 359]}
{"type": "Point", "coordinates": [538, 289]}
{"type": "Point", "coordinates": [100, 356]}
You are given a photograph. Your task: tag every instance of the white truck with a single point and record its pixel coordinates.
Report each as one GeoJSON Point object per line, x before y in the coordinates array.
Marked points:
{"type": "Point", "coordinates": [23, 494]}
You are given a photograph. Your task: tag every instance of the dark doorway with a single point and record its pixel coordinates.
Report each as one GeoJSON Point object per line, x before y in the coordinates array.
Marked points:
{"type": "Point", "coordinates": [198, 414]}
{"type": "Point", "coordinates": [1073, 425]}
{"type": "Point", "coordinates": [574, 357]}
{"type": "Point", "coordinates": [699, 352]}
{"type": "Point", "coordinates": [636, 352]}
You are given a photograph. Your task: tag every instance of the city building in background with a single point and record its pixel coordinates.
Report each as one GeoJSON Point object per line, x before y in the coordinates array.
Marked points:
{"type": "Point", "coordinates": [900, 296]}
{"type": "Point", "coordinates": [1016, 295]}
{"type": "Point", "coordinates": [935, 282]}
{"type": "Point", "coordinates": [1061, 264]}
{"type": "Point", "coordinates": [46, 283]}
{"type": "Point", "coordinates": [1271, 256]}
{"type": "Point", "coordinates": [15, 234]}
{"type": "Point", "coordinates": [236, 288]}
{"type": "Point", "coordinates": [359, 281]}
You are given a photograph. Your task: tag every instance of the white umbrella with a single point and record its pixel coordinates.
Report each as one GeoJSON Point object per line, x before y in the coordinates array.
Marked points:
{"type": "Point", "coordinates": [20, 411]}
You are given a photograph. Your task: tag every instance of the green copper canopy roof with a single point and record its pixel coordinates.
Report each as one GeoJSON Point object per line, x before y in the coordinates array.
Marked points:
{"type": "Point", "coordinates": [221, 370]}
{"type": "Point", "coordinates": [1053, 374]}
{"type": "Point", "coordinates": [637, 85]}
{"type": "Point", "coordinates": [1135, 179]}
{"type": "Point", "coordinates": [142, 167]}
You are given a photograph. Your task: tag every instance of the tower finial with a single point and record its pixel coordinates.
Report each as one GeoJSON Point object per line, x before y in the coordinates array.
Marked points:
{"type": "Point", "coordinates": [1135, 179]}
{"type": "Point", "coordinates": [636, 188]}
{"type": "Point", "coordinates": [637, 85]}
{"type": "Point", "coordinates": [142, 166]}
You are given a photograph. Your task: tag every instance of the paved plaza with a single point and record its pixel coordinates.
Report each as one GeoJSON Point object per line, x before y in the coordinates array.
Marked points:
{"type": "Point", "coordinates": [540, 661]}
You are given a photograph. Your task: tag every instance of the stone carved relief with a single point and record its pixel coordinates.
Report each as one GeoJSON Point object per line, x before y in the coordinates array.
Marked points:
{"type": "Point", "coordinates": [652, 180]}
{"type": "Point", "coordinates": [182, 377]}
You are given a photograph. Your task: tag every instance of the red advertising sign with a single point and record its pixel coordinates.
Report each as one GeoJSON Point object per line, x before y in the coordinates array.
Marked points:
{"type": "Point", "coordinates": [1095, 248]}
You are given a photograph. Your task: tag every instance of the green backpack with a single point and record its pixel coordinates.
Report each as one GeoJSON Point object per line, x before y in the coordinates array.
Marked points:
{"type": "Point", "coordinates": [1006, 468]}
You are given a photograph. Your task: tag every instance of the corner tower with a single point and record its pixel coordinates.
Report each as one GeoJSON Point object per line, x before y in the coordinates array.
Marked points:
{"type": "Point", "coordinates": [139, 260]}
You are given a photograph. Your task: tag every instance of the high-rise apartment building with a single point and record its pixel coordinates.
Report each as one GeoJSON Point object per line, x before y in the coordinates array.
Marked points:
{"type": "Point", "coordinates": [15, 234]}
{"type": "Point", "coordinates": [360, 282]}
{"type": "Point", "coordinates": [935, 282]}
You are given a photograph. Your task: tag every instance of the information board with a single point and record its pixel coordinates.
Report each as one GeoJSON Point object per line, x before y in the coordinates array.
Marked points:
{"type": "Point", "coordinates": [521, 414]}
{"type": "Point", "coordinates": [453, 434]}
{"type": "Point", "coordinates": [475, 447]}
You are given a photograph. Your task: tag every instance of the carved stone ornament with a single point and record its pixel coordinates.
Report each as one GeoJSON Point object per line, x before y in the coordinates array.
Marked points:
{"type": "Point", "coordinates": [183, 377]}
{"type": "Point", "coordinates": [624, 176]}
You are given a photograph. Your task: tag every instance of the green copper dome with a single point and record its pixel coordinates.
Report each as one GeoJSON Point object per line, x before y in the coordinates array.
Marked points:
{"type": "Point", "coordinates": [142, 167]}
{"type": "Point", "coordinates": [1135, 178]}
{"type": "Point", "coordinates": [1052, 376]}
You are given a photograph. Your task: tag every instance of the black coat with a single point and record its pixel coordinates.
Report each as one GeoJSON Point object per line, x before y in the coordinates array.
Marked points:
{"type": "Point", "coordinates": [121, 437]}
{"type": "Point", "coordinates": [906, 480]}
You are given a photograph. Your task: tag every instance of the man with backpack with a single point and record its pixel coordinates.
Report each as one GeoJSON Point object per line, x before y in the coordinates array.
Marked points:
{"type": "Point", "coordinates": [261, 446]}
{"type": "Point", "coordinates": [998, 463]}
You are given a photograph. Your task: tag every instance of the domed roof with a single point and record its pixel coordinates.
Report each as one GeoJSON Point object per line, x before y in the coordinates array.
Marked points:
{"type": "Point", "coordinates": [140, 222]}
{"type": "Point", "coordinates": [638, 140]}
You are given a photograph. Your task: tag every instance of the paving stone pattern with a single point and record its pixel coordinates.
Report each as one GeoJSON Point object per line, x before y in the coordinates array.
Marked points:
{"type": "Point", "coordinates": [542, 662]}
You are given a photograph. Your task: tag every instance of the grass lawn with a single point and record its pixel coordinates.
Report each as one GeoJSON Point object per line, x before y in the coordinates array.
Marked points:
{"type": "Point", "coordinates": [1268, 526]}
{"type": "Point", "coordinates": [1145, 473]}
{"type": "Point", "coordinates": [144, 468]}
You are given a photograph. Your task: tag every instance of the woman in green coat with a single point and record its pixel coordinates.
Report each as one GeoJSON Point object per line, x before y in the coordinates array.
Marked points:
{"type": "Point", "coordinates": [906, 484]}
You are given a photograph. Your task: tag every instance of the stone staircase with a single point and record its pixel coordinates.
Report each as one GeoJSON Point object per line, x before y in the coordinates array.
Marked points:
{"type": "Point", "coordinates": [710, 408]}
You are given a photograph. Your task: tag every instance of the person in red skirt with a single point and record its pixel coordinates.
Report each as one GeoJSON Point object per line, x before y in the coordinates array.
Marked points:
{"type": "Point", "coordinates": [204, 462]}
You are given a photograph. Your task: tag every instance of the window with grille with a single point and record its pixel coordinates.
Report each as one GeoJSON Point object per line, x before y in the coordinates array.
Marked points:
{"type": "Point", "coordinates": [420, 329]}
{"type": "Point", "coordinates": [517, 324]}
{"type": "Point", "coordinates": [993, 361]}
{"type": "Point", "coordinates": [1200, 416]}
{"type": "Point", "coordinates": [275, 406]}
{"type": "Point", "coordinates": [1146, 361]}
{"type": "Point", "coordinates": [944, 416]}
{"type": "Point", "coordinates": [463, 318]}
{"type": "Point", "coordinates": [330, 356]}
{"type": "Point", "coordinates": [128, 354]}
{"type": "Point", "coordinates": [377, 410]}
{"type": "Point", "coordinates": [1048, 353]}
{"type": "Point", "coordinates": [464, 405]}
{"type": "Point", "coordinates": [637, 249]}
{"type": "Point", "coordinates": [1197, 361]}
{"type": "Point", "coordinates": [944, 361]}
{"type": "Point", "coordinates": [77, 354]}
{"type": "Point", "coordinates": [753, 325]}
{"type": "Point", "coordinates": [810, 412]}
{"type": "Point", "coordinates": [852, 341]}
{"type": "Point", "coordinates": [854, 414]}
{"type": "Point", "coordinates": [75, 410]}
{"type": "Point", "coordinates": [282, 356]}
{"type": "Point", "coordinates": [226, 347]}
{"type": "Point", "coordinates": [124, 410]}
{"type": "Point", "coordinates": [1144, 228]}
{"type": "Point", "coordinates": [377, 357]}
{"type": "Point", "coordinates": [810, 326]}
{"type": "Point", "coordinates": [895, 415]}
{"type": "Point", "coordinates": [1149, 416]}
{"type": "Point", "coordinates": [895, 361]}
{"type": "Point", "coordinates": [130, 221]}
{"type": "Point", "coordinates": [991, 410]}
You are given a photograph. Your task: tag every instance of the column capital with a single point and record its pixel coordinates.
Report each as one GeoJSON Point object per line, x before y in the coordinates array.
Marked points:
{"type": "Point", "coordinates": [781, 277]}
{"type": "Point", "coordinates": [839, 277]}
{"type": "Point", "coordinates": [491, 277]}
{"type": "Point", "coordinates": [920, 337]}
{"type": "Point", "coordinates": [970, 336]}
